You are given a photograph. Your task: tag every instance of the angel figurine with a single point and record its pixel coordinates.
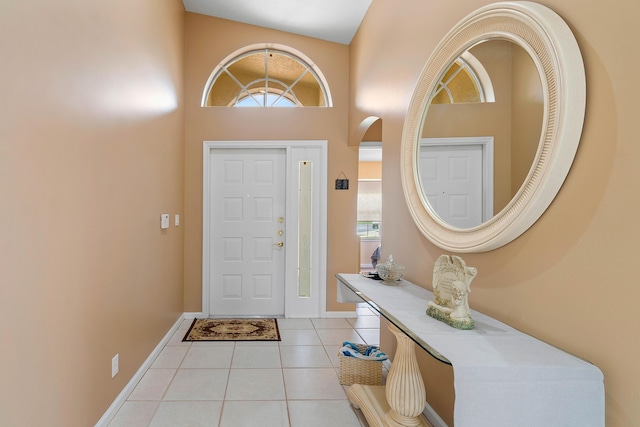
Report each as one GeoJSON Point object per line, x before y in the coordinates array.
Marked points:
{"type": "Point", "coordinates": [451, 286]}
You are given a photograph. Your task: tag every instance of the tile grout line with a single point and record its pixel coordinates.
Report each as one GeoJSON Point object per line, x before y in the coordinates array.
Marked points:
{"type": "Point", "coordinates": [223, 405]}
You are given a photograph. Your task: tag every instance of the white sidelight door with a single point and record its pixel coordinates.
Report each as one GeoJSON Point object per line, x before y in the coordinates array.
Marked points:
{"type": "Point", "coordinates": [247, 224]}
{"type": "Point", "coordinates": [264, 235]}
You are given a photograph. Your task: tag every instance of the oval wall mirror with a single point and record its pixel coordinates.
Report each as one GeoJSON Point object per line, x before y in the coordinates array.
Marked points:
{"type": "Point", "coordinates": [493, 126]}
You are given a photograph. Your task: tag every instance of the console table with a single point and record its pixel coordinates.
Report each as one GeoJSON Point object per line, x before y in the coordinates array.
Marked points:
{"type": "Point", "coordinates": [502, 377]}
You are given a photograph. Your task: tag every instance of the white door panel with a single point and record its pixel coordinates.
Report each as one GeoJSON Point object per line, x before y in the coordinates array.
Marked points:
{"type": "Point", "coordinates": [454, 178]}
{"type": "Point", "coordinates": [246, 264]}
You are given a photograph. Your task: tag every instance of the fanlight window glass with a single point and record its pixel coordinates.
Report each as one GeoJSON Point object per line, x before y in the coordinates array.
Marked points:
{"type": "Point", "coordinates": [462, 83]}
{"type": "Point", "coordinates": [266, 78]}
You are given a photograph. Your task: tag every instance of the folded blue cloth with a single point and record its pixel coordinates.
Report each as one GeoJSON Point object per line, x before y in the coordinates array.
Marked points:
{"type": "Point", "coordinates": [370, 353]}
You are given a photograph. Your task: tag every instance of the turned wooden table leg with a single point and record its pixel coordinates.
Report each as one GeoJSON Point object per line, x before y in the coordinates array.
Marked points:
{"type": "Point", "coordinates": [405, 388]}
{"type": "Point", "coordinates": [400, 403]}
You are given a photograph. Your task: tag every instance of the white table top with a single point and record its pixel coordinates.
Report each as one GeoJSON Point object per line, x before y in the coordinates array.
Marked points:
{"type": "Point", "coordinates": [502, 377]}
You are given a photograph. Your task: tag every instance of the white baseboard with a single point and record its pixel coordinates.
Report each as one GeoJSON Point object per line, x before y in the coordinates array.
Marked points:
{"type": "Point", "coordinates": [194, 315]}
{"type": "Point", "coordinates": [433, 417]}
{"type": "Point", "coordinates": [126, 391]}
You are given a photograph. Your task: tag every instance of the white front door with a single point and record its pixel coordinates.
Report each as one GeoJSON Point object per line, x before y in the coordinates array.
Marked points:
{"type": "Point", "coordinates": [247, 214]}
{"type": "Point", "coordinates": [457, 179]}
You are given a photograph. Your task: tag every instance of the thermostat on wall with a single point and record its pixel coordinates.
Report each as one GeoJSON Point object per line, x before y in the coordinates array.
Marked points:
{"type": "Point", "coordinates": [164, 221]}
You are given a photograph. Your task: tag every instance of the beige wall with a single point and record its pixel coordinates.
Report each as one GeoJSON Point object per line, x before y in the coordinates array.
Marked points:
{"type": "Point", "coordinates": [207, 42]}
{"type": "Point", "coordinates": [370, 170]}
{"type": "Point", "coordinates": [91, 153]}
{"type": "Point", "coordinates": [568, 280]}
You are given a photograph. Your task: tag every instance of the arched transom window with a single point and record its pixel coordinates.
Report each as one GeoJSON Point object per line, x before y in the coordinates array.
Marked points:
{"type": "Point", "coordinates": [465, 81]}
{"type": "Point", "coordinates": [266, 77]}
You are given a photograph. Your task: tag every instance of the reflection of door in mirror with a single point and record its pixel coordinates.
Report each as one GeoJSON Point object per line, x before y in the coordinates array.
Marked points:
{"type": "Point", "coordinates": [509, 108]}
{"type": "Point", "coordinates": [457, 178]}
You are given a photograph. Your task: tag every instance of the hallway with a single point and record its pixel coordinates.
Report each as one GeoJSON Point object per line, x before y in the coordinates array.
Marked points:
{"type": "Point", "coordinates": [293, 382]}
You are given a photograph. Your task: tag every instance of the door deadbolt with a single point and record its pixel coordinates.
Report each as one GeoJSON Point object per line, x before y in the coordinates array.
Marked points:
{"type": "Point", "coordinates": [281, 219]}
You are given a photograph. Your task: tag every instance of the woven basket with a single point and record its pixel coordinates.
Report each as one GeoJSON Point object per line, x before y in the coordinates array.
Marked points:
{"type": "Point", "coordinates": [359, 371]}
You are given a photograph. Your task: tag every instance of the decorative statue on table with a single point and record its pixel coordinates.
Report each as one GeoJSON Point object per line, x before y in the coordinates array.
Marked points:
{"type": "Point", "coordinates": [451, 286]}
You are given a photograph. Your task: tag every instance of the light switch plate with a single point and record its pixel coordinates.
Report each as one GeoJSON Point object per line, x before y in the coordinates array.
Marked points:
{"type": "Point", "coordinates": [115, 365]}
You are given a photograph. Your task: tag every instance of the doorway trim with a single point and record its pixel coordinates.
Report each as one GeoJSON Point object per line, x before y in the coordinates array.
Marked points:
{"type": "Point", "coordinates": [296, 151]}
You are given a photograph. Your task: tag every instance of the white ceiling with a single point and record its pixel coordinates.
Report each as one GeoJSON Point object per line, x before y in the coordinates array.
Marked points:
{"type": "Point", "coordinates": [332, 20]}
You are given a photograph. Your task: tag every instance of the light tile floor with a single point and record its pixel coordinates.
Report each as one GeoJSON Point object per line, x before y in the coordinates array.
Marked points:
{"type": "Point", "coordinates": [293, 382]}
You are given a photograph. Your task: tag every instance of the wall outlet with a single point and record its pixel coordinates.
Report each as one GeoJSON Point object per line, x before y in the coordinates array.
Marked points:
{"type": "Point", "coordinates": [115, 365]}
{"type": "Point", "coordinates": [176, 220]}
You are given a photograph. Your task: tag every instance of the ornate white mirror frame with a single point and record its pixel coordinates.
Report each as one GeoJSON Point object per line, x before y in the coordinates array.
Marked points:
{"type": "Point", "coordinates": [554, 50]}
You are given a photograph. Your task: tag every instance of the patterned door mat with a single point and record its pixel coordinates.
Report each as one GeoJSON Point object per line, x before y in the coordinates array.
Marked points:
{"type": "Point", "coordinates": [233, 330]}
